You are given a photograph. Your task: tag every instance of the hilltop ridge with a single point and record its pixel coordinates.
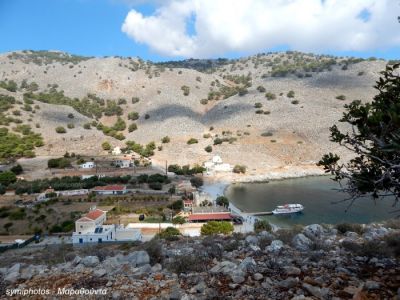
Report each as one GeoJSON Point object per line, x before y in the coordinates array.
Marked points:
{"type": "Point", "coordinates": [267, 111]}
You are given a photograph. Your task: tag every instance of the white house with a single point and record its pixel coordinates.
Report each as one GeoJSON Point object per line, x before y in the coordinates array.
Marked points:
{"type": "Point", "coordinates": [90, 229]}
{"type": "Point", "coordinates": [116, 151]}
{"type": "Point", "coordinates": [87, 165]}
{"type": "Point", "coordinates": [124, 163]}
{"type": "Point", "coordinates": [216, 165]}
{"type": "Point", "coordinates": [110, 190]}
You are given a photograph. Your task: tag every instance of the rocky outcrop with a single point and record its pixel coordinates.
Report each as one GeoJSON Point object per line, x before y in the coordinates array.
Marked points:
{"type": "Point", "coordinates": [257, 266]}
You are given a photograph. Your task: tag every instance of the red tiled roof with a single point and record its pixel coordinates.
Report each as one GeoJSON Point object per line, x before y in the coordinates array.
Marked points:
{"type": "Point", "coordinates": [110, 188]}
{"type": "Point", "coordinates": [205, 217]}
{"type": "Point", "coordinates": [94, 214]}
{"type": "Point", "coordinates": [84, 219]}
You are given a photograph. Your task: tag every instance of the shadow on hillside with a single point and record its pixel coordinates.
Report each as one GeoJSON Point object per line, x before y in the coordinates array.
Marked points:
{"type": "Point", "coordinates": [333, 80]}
{"type": "Point", "coordinates": [217, 113]}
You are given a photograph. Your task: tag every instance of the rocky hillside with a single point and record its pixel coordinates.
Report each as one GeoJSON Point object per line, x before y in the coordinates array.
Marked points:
{"type": "Point", "coordinates": [266, 111]}
{"type": "Point", "coordinates": [311, 263]}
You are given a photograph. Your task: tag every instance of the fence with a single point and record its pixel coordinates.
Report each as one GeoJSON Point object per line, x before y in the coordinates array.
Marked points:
{"type": "Point", "coordinates": [17, 245]}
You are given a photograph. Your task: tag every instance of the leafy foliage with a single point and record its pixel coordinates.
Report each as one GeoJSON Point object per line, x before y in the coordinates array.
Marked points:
{"type": "Point", "coordinates": [216, 227]}
{"type": "Point", "coordinates": [375, 142]}
{"type": "Point", "coordinates": [15, 146]}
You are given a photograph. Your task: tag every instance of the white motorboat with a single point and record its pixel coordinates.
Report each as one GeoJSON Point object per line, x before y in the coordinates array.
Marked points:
{"type": "Point", "coordinates": [288, 209]}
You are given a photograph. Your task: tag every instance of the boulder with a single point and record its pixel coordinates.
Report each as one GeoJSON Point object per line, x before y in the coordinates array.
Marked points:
{"type": "Point", "coordinates": [238, 279]}
{"type": "Point", "coordinates": [290, 270]}
{"type": "Point", "coordinates": [138, 258]}
{"type": "Point", "coordinates": [252, 240]}
{"type": "Point", "coordinates": [100, 272]}
{"type": "Point", "coordinates": [224, 267]}
{"type": "Point", "coordinates": [313, 290]}
{"type": "Point", "coordinates": [372, 285]}
{"type": "Point", "coordinates": [258, 276]}
{"type": "Point", "coordinates": [301, 242]}
{"type": "Point", "coordinates": [13, 273]}
{"type": "Point", "coordinates": [275, 246]}
{"type": "Point", "coordinates": [288, 283]}
{"type": "Point", "coordinates": [314, 231]}
{"type": "Point", "coordinates": [373, 233]}
{"type": "Point", "coordinates": [247, 264]}
{"type": "Point", "coordinates": [90, 261]}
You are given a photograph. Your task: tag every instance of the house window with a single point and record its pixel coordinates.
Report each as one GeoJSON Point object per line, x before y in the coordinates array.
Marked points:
{"type": "Point", "coordinates": [81, 226]}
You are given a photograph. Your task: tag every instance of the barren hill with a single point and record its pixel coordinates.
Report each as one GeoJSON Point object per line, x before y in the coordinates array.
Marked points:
{"type": "Point", "coordinates": [266, 111]}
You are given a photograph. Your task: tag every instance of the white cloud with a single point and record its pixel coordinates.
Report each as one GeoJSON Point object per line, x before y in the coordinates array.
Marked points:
{"type": "Point", "coordinates": [222, 26]}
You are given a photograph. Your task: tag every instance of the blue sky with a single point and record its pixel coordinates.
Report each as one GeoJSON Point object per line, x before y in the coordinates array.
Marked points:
{"type": "Point", "coordinates": [93, 28]}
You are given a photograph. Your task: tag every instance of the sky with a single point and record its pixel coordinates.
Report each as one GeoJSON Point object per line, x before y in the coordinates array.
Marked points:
{"type": "Point", "coordinates": [162, 30]}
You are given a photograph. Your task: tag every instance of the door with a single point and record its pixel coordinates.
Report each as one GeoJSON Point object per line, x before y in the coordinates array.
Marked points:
{"type": "Point", "coordinates": [100, 240]}
{"type": "Point", "coordinates": [80, 241]}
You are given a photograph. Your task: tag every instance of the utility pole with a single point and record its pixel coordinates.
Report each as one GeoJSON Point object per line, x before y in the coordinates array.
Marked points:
{"type": "Point", "coordinates": [166, 168]}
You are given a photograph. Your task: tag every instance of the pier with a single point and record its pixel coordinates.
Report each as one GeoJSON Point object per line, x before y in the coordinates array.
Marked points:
{"type": "Point", "coordinates": [261, 213]}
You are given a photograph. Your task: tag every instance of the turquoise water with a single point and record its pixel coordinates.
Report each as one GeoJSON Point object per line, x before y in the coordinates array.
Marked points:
{"type": "Point", "coordinates": [316, 194]}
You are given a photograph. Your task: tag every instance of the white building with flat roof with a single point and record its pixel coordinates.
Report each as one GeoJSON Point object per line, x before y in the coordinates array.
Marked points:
{"type": "Point", "coordinates": [90, 229]}
{"type": "Point", "coordinates": [87, 165]}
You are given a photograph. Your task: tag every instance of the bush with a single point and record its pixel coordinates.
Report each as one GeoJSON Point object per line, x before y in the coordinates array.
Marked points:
{"type": "Point", "coordinates": [204, 101]}
{"type": "Point", "coordinates": [155, 186]}
{"type": "Point", "coordinates": [71, 115]}
{"type": "Point", "coordinates": [165, 140]}
{"type": "Point", "coordinates": [58, 163]}
{"type": "Point", "coordinates": [341, 97]}
{"type": "Point", "coordinates": [106, 146]}
{"type": "Point", "coordinates": [222, 201]}
{"type": "Point", "coordinates": [135, 100]}
{"type": "Point", "coordinates": [186, 90]}
{"type": "Point", "coordinates": [154, 250]}
{"type": "Point", "coordinates": [215, 227]}
{"type": "Point", "coordinates": [345, 227]}
{"type": "Point", "coordinates": [132, 127]}
{"type": "Point", "coordinates": [267, 134]}
{"type": "Point", "coordinates": [133, 116]}
{"type": "Point", "coordinates": [270, 96]}
{"type": "Point", "coordinates": [261, 89]}
{"type": "Point", "coordinates": [218, 141]}
{"type": "Point", "coordinates": [290, 94]}
{"type": "Point", "coordinates": [192, 141]}
{"type": "Point", "coordinates": [258, 105]}
{"type": "Point", "coordinates": [197, 181]}
{"type": "Point", "coordinates": [295, 102]}
{"type": "Point", "coordinates": [70, 125]}
{"type": "Point", "coordinates": [7, 177]}
{"type": "Point", "coordinates": [188, 263]}
{"type": "Point", "coordinates": [146, 116]}
{"type": "Point", "coordinates": [60, 129]}
{"type": "Point", "coordinates": [169, 233]}
{"type": "Point", "coordinates": [178, 220]}
{"type": "Point", "coordinates": [208, 149]}
{"type": "Point", "coordinates": [239, 169]}
{"type": "Point", "coordinates": [17, 169]}
{"type": "Point", "coordinates": [262, 225]}
{"type": "Point", "coordinates": [86, 126]}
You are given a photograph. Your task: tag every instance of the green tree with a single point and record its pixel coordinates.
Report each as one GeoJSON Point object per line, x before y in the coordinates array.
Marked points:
{"type": "Point", "coordinates": [192, 141]}
{"type": "Point", "coordinates": [8, 225]}
{"type": "Point", "coordinates": [17, 169]}
{"type": "Point", "coordinates": [169, 233]}
{"type": "Point", "coordinates": [375, 142]}
{"type": "Point", "coordinates": [178, 220]}
{"type": "Point", "coordinates": [7, 177]}
{"type": "Point", "coordinates": [208, 148]}
{"type": "Point", "coordinates": [290, 94]}
{"type": "Point", "coordinates": [165, 140]}
{"type": "Point", "coordinates": [60, 129]}
{"type": "Point", "coordinates": [216, 227]}
{"type": "Point", "coordinates": [222, 201]}
{"type": "Point", "coordinates": [197, 182]}
{"type": "Point", "coordinates": [262, 225]}
{"type": "Point", "coordinates": [106, 146]}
